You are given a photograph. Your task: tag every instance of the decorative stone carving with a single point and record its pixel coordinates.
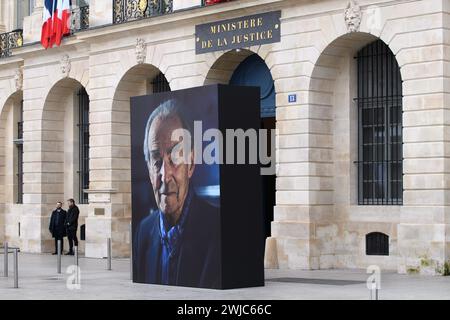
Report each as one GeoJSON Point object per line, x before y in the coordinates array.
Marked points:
{"type": "Point", "coordinates": [18, 79]}
{"type": "Point", "coordinates": [65, 65]}
{"type": "Point", "coordinates": [353, 16]}
{"type": "Point", "coordinates": [141, 51]}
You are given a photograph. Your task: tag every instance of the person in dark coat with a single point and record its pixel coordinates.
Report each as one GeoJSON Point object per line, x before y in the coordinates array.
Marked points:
{"type": "Point", "coordinates": [179, 242]}
{"type": "Point", "coordinates": [194, 260]}
{"type": "Point", "coordinates": [72, 225]}
{"type": "Point", "coordinates": [57, 225]}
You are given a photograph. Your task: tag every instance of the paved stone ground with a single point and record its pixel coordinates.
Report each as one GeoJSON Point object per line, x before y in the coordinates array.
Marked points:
{"type": "Point", "coordinates": [39, 280]}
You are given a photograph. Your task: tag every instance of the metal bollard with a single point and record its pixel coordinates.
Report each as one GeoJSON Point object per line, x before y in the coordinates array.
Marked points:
{"type": "Point", "coordinates": [376, 294]}
{"type": "Point", "coordinates": [373, 291]}
{"type": "Point", "coordinates": [5, 270]}
{"type": "Point", "coordinates": [76, 263]}
{"type": "Point", "coordinates": [75, 248]}
{"type": "Point", "coordinates": [58, 261]}
{"type": "Point", "coordinates": [16, 268]}
{"type": "Point", "coordinates": [131, 252]}
{"type": "Point", "coordinates": [109, 249]}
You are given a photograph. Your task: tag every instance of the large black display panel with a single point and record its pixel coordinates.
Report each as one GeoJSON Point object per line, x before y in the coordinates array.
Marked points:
{"type": "Point", "coordinates": [196, 216]}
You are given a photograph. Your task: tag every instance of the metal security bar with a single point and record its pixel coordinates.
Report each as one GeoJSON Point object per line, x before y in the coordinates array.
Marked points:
{"type": "Point", "coordinates": [83, 129]}
{"type": "Point", "coordinates": [377, 244]}
{"type": "Point", "coordinates": [80, 18]}
{"type": "Point", "coordinates": [10, 40]}
{"type": "Point", "coordinates": [380, 154]}
{"type": "Point", "coordinates": [19, 147]}
{"type": "Point", "coordinates": [160, 84]}
{"type": "Point", "coordinates": [20, 173]}
{"type": "Point", "coordinates": [129, 10]}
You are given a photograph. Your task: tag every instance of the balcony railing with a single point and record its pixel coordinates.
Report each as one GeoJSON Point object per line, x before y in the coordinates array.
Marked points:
{"type": "Point", "coordinates": [80, 18]}
{"type": "Point", "coordinates": [129, 10]}
{"type": "Point", "coordinates": [10, 40]}
{"type": "Point", "coordinates": [123, 11]}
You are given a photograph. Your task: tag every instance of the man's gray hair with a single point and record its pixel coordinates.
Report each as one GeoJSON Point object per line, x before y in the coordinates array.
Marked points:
{"type": "Point", "coordinates": [165, 110]}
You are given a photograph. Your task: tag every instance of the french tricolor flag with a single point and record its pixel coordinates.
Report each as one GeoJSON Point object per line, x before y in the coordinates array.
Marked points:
{"type": "Point", "coordinates": [56, 22]}
{"type": "Point", "coordinates": [61, 20]}
{"type": "Point", "coordinates": [47, 27]}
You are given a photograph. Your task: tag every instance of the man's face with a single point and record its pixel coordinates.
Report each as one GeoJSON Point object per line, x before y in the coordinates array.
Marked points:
{"type": "Point", "coordinates": [58, 205]}
{"type": "Point", "coordinates": [170, 181]}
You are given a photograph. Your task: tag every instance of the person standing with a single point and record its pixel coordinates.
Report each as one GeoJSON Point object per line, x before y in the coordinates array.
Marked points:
{"type": "Point", "coordinates": [72, 225]}
{"type": "Point", "coordinates": [57, 225]}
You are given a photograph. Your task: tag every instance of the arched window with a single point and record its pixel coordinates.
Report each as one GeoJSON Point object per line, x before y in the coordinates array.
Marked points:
{"type": "Point", "coordinates": [83, 131]}
{"type": "Point", "coordinates": [380, 154]}
{"type": "Point", "coordinates": [377, 244]}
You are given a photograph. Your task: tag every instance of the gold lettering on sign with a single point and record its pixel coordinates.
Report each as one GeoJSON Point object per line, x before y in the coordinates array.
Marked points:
{"type": "Point", "coordinates": [222, 42]}
{"type": "Point", "coordinates": [239, 33]}
{"type": "Point", "coordinates": [206, 44]}
{"type": "Point", "coordinates": [252, 36]}
{"type": "Point", "coordinates": [237, 25]}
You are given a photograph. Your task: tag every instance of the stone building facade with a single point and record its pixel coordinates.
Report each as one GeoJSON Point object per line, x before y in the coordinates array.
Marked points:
{"type": "Point", "coordinates": [319, 221]}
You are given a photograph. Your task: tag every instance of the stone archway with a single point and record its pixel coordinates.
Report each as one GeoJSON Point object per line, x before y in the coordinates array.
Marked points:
{"type": "Point", "coordinates": [140, 80]}
{"type": "Point", "coordinates": [10, 177]}
{"type": "Point", "coordinates": [59, 152]}
{"type": "Point", "coordinates": [236, 67]}
{"type": "Point", "coordinates": [330, 227]}
{"type": "Point", "coordinates": [111, 162]}
{"type": "Point", "coordinates": [223, 68]}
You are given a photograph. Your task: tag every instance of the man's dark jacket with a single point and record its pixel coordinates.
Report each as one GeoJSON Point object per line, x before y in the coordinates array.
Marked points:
{"type": "Point", "coordinates": [199, 255]}
{"type": "Point", "coordinates": [57, 224]}
{"type": "Point", "coordinates": [72, 219]}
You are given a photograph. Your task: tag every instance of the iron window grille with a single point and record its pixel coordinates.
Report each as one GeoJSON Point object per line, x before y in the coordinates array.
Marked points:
{"type": "Point", "coordinates": [83, 130]}
{"type": "Point", "coordinates": [19, 149]}
{"type": "Point", "coordinates": [380, 141]}
{"type": "Point", "coordinates": [80, 18]}
{"type": "Point", "coordinates": [160, 84]}
{"type": "Point", "coordinates": [377, 244]}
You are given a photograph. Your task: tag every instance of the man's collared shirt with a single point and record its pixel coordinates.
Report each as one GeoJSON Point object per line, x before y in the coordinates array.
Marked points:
{"type": "Point", "coordinates": [171, 242]}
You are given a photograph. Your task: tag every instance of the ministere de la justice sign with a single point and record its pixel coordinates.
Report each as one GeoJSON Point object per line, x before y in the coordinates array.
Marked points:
{"type": "Point", "coordinates": [238, 33]}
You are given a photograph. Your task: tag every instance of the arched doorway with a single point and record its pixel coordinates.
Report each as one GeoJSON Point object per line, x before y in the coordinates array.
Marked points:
{"type": "Point", "coordinates": [11, 168]}
{"type": "Point", "coordinates": [65, 148]}
{"type": "Point", "coordinates": [253, 71]}
{"type": "Point", "coordinates": [141, 79]}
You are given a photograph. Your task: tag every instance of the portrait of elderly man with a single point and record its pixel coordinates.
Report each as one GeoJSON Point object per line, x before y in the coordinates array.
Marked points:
{"type": "Point", "coordinates": [178, 243]}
